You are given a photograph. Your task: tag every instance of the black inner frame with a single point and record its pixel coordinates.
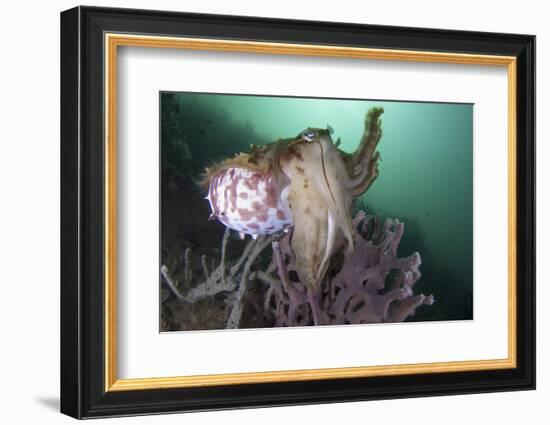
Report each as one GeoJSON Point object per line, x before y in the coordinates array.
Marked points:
{"type": "Point", "coordinates": [82, 212]}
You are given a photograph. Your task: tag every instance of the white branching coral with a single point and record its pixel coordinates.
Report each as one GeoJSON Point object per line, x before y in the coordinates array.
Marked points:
{"type": "Point", "coordinates": [231, 277]}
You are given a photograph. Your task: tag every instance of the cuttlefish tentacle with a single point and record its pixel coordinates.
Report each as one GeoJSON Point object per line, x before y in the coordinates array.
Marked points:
{"type": "Point", "coordinates": [331, 244]}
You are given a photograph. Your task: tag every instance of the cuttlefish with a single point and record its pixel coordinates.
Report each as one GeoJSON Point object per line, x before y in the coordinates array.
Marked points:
{"type": "Point", "coordinates": [305, 183]}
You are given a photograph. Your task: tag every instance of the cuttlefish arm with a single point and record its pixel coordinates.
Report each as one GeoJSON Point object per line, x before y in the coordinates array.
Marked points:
{"type": "Point", "coordinates": [310, 236]}
{"type": "Point", "coordinates": [320, 205]}
{"type": "Point", "coordinates": [363, 163]}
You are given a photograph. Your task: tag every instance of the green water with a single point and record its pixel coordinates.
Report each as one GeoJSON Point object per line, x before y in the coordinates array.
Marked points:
{"type": "Point", "coordinates": [425, 176]}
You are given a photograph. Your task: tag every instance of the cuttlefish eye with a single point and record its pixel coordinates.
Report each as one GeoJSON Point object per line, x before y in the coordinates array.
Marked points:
{"type": "Point", "coordinates": [308, 135]}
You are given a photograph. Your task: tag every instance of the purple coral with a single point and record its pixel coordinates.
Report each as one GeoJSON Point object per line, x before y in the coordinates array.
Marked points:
{"type": "Point", "coordinates": [370, 285]}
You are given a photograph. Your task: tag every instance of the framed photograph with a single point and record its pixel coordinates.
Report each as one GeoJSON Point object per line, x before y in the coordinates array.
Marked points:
{"type": "Point", "coordinates": [261, 212]}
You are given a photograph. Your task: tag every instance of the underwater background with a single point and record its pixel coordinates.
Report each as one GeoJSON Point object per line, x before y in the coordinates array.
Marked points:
{"type": "Point", "coordinates": [425, 180]}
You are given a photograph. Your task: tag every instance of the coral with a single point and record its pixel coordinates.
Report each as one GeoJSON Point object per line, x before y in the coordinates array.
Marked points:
{"type": "Point", "coordinates": [227, 277]}
{"type": "Point", "coordinates": [369, 285]}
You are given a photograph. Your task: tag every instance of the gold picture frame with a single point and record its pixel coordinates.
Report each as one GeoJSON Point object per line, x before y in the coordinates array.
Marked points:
{"type": "Point", "coordinates": [114, 41]}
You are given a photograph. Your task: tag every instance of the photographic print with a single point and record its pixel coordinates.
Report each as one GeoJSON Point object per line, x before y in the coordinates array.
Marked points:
{"type": "Point", "coordinates": [288, 211]}
{"type": "Point", "coordinates": [283, 211]}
